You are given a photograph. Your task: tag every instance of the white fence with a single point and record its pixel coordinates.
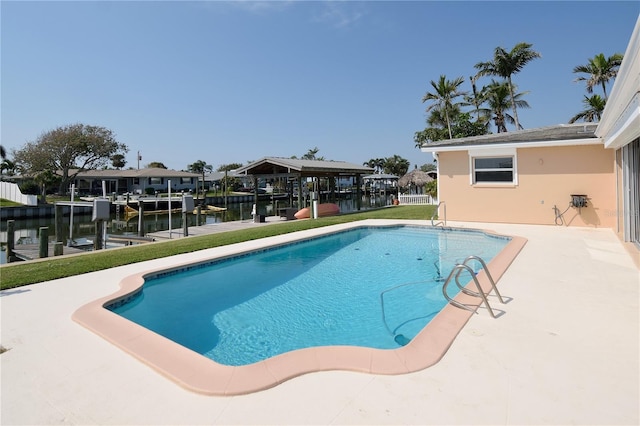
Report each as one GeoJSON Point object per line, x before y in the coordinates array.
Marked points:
{"type": "Point", "coordinates": [417, 199]}
{"type": "Point", "coordinates": [10, 191]}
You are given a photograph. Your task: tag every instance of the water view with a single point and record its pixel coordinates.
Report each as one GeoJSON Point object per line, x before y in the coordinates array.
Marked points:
{"type": "Point", "coordinates": [83, 229]}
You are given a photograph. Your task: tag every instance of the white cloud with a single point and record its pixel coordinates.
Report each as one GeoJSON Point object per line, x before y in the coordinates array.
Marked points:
{"type": "Point", "coordinates": [340, 14]}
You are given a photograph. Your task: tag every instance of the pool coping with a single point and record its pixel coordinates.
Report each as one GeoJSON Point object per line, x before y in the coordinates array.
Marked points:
{"type": "Point", "coordinates": [199, 374]}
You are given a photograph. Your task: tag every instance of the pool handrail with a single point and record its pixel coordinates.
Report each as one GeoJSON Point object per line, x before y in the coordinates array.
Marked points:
{"type": "Point", "coordinates": [435, 213]}
{"type": "Point", "coordinates": [455, 273]}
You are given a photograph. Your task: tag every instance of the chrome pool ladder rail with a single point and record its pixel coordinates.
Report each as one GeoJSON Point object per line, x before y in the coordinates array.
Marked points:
{"type": "Point", "coordinates": [435, 213]}
{"type": "Point", "coordinates": [455, 273]}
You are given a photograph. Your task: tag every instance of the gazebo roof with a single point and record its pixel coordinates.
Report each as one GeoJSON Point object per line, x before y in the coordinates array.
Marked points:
{"type": "Point", "coordinates": [303, 168]}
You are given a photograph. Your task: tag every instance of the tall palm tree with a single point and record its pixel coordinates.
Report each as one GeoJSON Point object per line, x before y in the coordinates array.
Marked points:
{"type": "Point", "coordinates": [499, 101]}
{"type": "Point", "coordinates": [445, 91]}
{"type": "Point", "coordinates": [505, 64]}
{"type": "Point", "coordinates": [599, 71]}
{"type": "Point", "coordinates": [594, 109]}
{"type": "Point", "coordinates": [476, 99]}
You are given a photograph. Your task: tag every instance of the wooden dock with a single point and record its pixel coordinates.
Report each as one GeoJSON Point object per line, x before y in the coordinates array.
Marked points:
{"type": "Point", "coordinates": [32, 251]}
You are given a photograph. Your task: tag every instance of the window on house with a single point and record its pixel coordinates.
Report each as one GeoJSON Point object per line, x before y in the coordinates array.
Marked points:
{"type": "Point", "coordinates": [186, 180]}
{"type": "Point", "coordinates": [494, 169]}
{"type": "Point", "coordinates": [155, 181]}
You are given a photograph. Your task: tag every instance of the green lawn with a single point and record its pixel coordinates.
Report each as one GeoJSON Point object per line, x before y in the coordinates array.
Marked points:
{"type": "Point", "coordinates": [7, 203]}
{"type": "Point", "coordinates": [22, 273]}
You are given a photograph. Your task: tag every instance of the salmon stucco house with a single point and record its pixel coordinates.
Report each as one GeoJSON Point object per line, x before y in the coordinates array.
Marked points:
{"type": "Point", "coordinates": [585, 174]}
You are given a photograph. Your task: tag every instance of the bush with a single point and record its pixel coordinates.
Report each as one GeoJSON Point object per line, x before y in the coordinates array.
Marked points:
{"type": "Point", "coordinates": [30, 187]}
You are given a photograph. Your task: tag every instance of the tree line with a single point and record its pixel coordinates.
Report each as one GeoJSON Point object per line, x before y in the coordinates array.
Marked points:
{"type": "Point", "coordinates": [499, 101]}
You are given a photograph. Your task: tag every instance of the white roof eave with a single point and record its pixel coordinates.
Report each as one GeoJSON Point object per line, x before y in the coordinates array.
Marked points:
{"type": "Point", "coordinates": [532, 144]}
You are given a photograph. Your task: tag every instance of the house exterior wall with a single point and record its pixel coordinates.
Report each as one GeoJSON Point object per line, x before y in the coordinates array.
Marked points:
{"type": "Point", "coordinates": [546, 178]}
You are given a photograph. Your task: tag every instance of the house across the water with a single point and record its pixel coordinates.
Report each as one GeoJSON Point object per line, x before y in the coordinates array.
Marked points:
{"type": "Point", "coordinates": [135, 181]}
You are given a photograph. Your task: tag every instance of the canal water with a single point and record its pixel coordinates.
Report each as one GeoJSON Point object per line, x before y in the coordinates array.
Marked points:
{"type": "Point", "coordinates": [83, 229]}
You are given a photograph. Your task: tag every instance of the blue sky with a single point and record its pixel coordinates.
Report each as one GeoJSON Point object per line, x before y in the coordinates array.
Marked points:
{"type": "Point", "coordinates": [232, 82]}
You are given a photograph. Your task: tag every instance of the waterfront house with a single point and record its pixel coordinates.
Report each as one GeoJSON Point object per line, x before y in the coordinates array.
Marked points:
{"type": "Point", "coordinates": [134, 181]}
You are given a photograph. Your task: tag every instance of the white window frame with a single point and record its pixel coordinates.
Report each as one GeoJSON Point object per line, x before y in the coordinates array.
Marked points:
{"type": "Point", "coordinates": [493, 153]}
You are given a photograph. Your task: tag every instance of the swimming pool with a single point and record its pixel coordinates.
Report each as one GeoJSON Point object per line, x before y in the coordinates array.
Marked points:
{"type": "Point", "coordinates": [228, 328]}
{"type": "Point", "coordinates": [347, 288]}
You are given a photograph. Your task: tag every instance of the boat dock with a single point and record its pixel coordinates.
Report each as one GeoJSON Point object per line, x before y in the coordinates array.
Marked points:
{"type": "Point", "coordinates": [214, 228]}
{"type": "Point", "coordinates": [32, 251]}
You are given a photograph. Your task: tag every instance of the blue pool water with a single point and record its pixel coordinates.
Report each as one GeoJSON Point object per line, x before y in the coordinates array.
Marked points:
{"type": "Point", "coordinates": [342, 289]}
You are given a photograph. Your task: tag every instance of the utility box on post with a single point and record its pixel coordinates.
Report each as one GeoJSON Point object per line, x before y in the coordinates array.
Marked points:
{"type": "Point", "coordinates": [101, 209]}
{"type": "Point", "coordinates": [187, 203]}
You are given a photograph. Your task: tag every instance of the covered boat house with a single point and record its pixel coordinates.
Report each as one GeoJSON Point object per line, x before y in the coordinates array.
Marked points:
{"type": "Point", "coordinates": [308, 178]}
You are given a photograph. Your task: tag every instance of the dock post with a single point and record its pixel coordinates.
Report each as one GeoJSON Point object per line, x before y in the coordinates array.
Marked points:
{"type": "Point", "coordinates": [11, 239]}
{"type": "Point", "coordinates": [140, 218]}
{"type": "Point", "coordinates": [58, 249]}
{"type": "Point", "coordinates": [59, 224]}
{"type": "Point", "coordinates": [185, 225]}
{"type": "Point", "coordinates": [98, 243]}
{"type": "Point", "coordinates": [44, 242]}
{"type": "Point", "coordinates": [198, 213]}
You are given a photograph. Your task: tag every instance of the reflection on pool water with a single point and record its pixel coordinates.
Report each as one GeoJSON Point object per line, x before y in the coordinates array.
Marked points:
{"type": "Point", "coordinates": [346, 288]}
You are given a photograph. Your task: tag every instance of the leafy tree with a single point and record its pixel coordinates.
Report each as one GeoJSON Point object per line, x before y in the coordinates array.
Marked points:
{"type": "Point", "coordinates": [599, 71]}
{"type": "Point", "coordinates": [200, 167]}
{"type": "Point", "coordinates": [156, 165]}
{"type": "Point", "coordinates": [230, 182]}
{"type": "Point", "coordinates": [499, 101]}
{"type": "Point", "coordinates": [594, 109]}
{"type": "Point", "coordinates": [428, 135]}
{"type": "Point", "coordinates": [431, 188]}
{"type": "Point", "coordinates": [44, 180]}
{"type": "Point", "coordinates": [229, 167]}
{"type": "Point", "coordinates": [505, 64]}
{"type": "Point", "coordinates": [396, 165]}
{"type": "Point", "coordinates": [463, 127]}
{"type": "Point", "coordinates": [69, 150]}
{"type": "Point", "coordinates": [118, 161]}
{"type": "Point", "coordinates": [445, 91]}
{"type": "Point", "coordinates": [428, 167]}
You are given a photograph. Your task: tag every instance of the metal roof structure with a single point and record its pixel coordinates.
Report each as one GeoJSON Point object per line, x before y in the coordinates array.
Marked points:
{"type": "Point", "coordinates": [275, 166]}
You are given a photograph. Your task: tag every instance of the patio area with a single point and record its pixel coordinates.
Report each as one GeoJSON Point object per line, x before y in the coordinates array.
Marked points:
{"type": "Point", "coordinates": [566, 351]}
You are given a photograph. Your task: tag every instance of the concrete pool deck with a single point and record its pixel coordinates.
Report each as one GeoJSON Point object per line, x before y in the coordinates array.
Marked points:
{"type": "Point", "coordinates": [565, 351]}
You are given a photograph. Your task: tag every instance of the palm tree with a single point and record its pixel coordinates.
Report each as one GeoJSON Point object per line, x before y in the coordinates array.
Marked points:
{"type": "Point", "coordinates": [499, 101]}
{"type": "Point", "coordinates": [7, 166]}
{"type": "Point", "coordinates": [445, 92]}
{"type": "Point", "coordinates": [3, 152]}
{"type": "Point", "coordinates": [477, 98]}
{"type": "Point", "coordinates": [377, 164]}
{"type": "Point", "coordinates": [201, 167]}
{"type": "Point", "coordinates": [595, 107]}
{"type": "Point", "coordinates": [505, 64]}
{"type": "Point", "coordinates": [437, 116]}
{"type": "Point", "coordinates": [599, 70]}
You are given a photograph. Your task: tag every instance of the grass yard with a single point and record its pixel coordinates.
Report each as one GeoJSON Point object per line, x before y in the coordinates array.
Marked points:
{"type": "Point", "coordinates": [23, 273]}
